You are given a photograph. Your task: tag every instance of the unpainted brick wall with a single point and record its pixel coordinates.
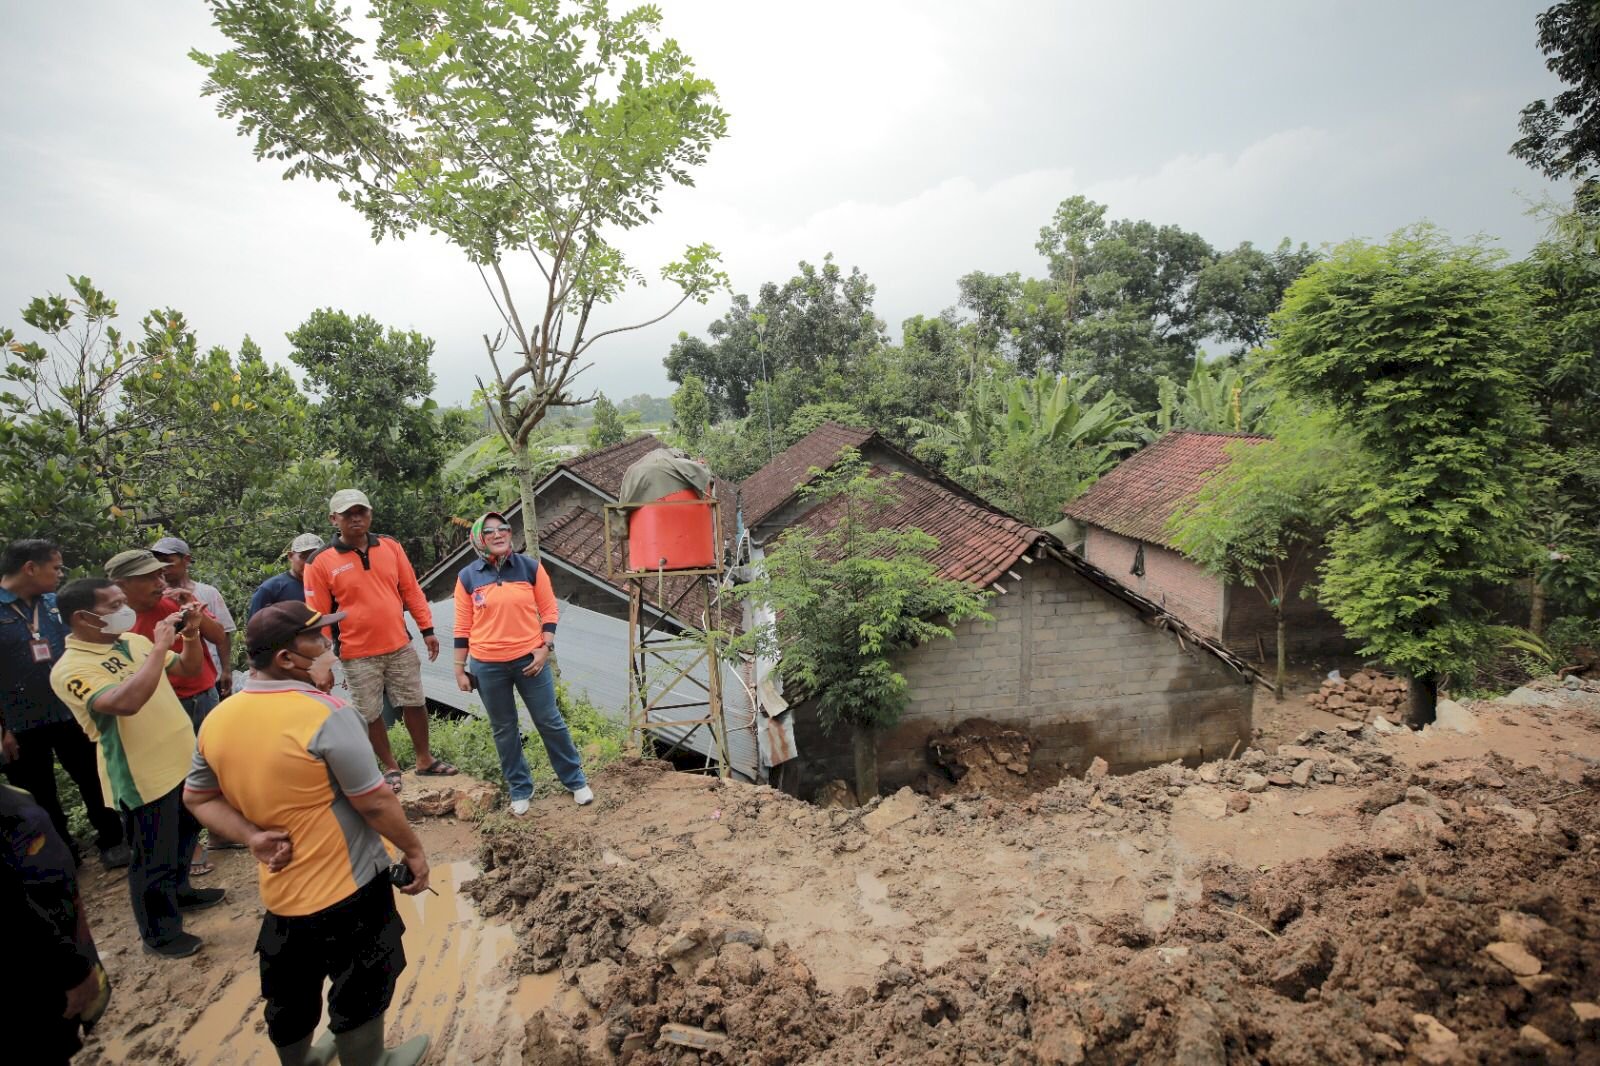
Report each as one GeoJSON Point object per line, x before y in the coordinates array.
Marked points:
{"type": "Point", "coordinates": [1169, 578]}
{"type": "Point", "coordinates": [1309, 629]}
{"type": "Point", "coordinates": [1072, 666]}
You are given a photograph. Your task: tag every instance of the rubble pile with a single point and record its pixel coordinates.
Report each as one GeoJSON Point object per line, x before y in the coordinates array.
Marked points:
{"type": "Point", "coordinates": [1362, 696]}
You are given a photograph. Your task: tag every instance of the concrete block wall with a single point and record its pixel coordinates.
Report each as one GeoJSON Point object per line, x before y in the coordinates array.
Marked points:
{"type": "Point", "coordinates": [1169, 578]}
{"type": "Point", "coordinates": [1070, 665]}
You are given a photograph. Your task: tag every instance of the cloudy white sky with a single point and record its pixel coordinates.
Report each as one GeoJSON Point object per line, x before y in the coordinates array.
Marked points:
{"type": "Point", "coordinates": [917, 139]}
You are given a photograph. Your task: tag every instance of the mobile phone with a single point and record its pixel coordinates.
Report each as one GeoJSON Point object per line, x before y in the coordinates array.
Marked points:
{"type": "Point", "coordinates": [177, 627]}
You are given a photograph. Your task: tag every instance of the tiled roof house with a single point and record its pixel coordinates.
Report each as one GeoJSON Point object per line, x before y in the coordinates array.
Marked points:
{"type": "Point", "coordinates": [1081, 664]}
{"type": "Point", "coordinates": [1123, 518]}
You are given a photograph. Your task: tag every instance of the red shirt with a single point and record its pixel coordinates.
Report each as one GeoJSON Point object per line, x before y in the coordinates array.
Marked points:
{"type": "Point", "coordinates": [183, 686]}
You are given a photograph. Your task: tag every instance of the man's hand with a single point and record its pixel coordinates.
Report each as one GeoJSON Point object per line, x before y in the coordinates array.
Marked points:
{"type": "Point", "coordinates": [82, 995]}
{"type": "Point", "coordinates": [419, 874]}
{"type": "Point", "coordinates": [167, 632]}
{"type": "Point", "coordinates": [541, 656]}
{"type": "Point", "coordinates": [433, 646]}
{"type": "Point", "coordinates": [321, 671]}
{"type": "Point", "coordinates": [225, 682]}
{"type": "Point", "coordinates": [463, 679]}
{"type": "Point", "coordinates": [181, 596]}
{"type": "Point", "coordinates": [272, 848]}
{"type": "Point", "coordinates": [8, 744]}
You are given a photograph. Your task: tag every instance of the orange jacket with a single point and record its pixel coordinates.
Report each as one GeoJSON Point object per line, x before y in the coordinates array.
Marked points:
{"type": "Point", "coordinates": [374, 588]}
{"type": "Point", "coordinates": [504, 613]}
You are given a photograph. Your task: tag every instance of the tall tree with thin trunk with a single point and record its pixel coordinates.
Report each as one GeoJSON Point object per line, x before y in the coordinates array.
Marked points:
{"type": "Point", "coordinates": [522, 131]}
{"type": "Point", "coordinates": [1419, 347]}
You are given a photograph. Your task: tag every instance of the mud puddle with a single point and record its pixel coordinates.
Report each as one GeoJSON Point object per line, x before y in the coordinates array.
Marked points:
{"type": "Point", "coordinates": [459, 986]}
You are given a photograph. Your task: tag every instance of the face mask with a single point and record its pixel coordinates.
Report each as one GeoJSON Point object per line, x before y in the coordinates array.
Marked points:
{"type": "Point", "coordinates": [119, 621]}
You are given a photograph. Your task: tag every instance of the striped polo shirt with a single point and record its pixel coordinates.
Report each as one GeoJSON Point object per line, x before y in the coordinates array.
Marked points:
{"type": "Point", "coordinates": [287, 756]}
{"type": "Point", "coordinates": [144, 755]}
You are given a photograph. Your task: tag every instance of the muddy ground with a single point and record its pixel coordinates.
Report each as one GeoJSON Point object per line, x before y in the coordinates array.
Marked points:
{"type": "Point", "coordinates": [1330, 896]}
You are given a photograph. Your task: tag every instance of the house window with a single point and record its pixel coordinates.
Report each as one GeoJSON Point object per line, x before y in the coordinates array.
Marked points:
{"type": "Point", "coordinates": [1137, 569]}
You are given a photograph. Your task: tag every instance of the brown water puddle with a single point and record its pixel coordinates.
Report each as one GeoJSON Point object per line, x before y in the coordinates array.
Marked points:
{"type": "Point", "coordinates": [458, 986]}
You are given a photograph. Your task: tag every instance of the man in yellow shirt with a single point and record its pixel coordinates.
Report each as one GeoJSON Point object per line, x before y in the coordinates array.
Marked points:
{"type": "Point", "coordinates": [289, 769]}
{"type": "Point", "coordinates": [116, 685]}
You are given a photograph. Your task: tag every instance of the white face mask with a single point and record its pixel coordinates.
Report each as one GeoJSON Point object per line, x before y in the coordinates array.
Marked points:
{"type": "Point", "coordinates": [119, 621]}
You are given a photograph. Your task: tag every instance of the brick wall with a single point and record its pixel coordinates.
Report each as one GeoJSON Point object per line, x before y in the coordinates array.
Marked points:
{"type": "Point", "coordinates": [1310, 630]}
{"type": "Point", "coordinates": [1169, 579]}
{"type": "Point", "coordinates": [1072, 666]}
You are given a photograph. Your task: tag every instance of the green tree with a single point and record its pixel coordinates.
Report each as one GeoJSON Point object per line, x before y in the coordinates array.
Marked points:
{"type": "Point", "coordinates": [111, 441]}
{"type": "Point", "coordinates": [1418, 348]}
{"type": "Point", "coordinates": [691, 411]}
{"type": "Point", "coordinates": [375, 413]}
{"type": "Point", "coordinates": [528, 133]}
{"type": "Point", "coordinates": [1031, 444]}
{"type": "Point", "coordinates": [1236, 293]}
{"type": "Point", "coordinates": [817, 323]}
{"type": "Point", "coordinates": [608, 428]}
{"type": "Point", "coordinates": [1561, 136]}
{"type": "Point", "coordinates": [1214, 400]}
{"type": "Point", "coordinates": [1259, 520]}
{"type": "Point", "coordinates": [847, 598]}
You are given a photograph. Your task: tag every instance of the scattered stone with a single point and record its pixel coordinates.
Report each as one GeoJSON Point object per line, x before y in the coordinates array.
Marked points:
{"type": "Point", "coordinates": [1305, 969]}
{"type": "Point", "coordinates": [1302, 774]}
{"type": "Point", "coordinates": [451, 797]}
{"type": "Point", "coordinates": [592, 981]}
{"type": "Point", "coordinates": [1526, 821]}
{"type": "Point", "coordinates": [1527, 697]}
{"type": "Point", "coordinates": [691, 1036]}
{"type": "Point", "coordinates": [900, 807]}
{"type": "Point", "coordinates": [1569, 768]}
{"type": "Point", "coordinates": [1383, 725]}
{"type": "Point", "coordinates": [1535, 1036]}
{"type": "Point", "coordinates": [1353, 725]}
{"type": "Point", "coordinates": [1572, 682]}
{"type": "Point", "coordinates": [1238, 802]}
{"type": "Point", "coordinates": [1588, 1013]}
{"type": "Point", "coordinates": [1210, 773]}
{"type": "Point", "coordinates": [1098, 769]}
{"type": "Point", "coordinates": [1253, 757]}
{"type": "Point", "coordinates": [837, 794]}
{"type": "Point", "coordinates": [1405, 824]}
{"type": "Point", "coordinates": [1513, 957]}
{"type": "Point", "coordinates": [1344, 767]}
{"type": "Point", "coordinates": [1282, 780]}
{"type": "Point", "coordinates": [1486, 777]}
{"type": "Point", "coordinates": [1209, 804]}
{"type": "Point", "coordinates": [1538, 984]}
{"type": "Point", "coordinates": [1295, 752]}
{"type": "Point", "coordinates": [690, 936]}
{"type": "Point", "coordinates": [1452, 717]}
{"type": "Point", "coordinates": [743, 933]}
{"type": "Point", "coordinates": [1518, 927]}
{"type": "Point", "coordinates": [1433, 1030]}
{"type": "Point", "coordinates": [1254, 783]}
{"type": "Point", "coordinates": [1421, 796]}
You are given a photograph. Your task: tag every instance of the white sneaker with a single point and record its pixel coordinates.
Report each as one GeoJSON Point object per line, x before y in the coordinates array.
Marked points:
{"type": "Point", "coordinates": [519, 807]}
{"type": "Point", "coordinates": [584, 796]}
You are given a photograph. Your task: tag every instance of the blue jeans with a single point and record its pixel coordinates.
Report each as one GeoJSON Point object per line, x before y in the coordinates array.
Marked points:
{"type": "Point", "coordinates": [497, 683]}
{"type": "Point", "coordinates": [199, 705]}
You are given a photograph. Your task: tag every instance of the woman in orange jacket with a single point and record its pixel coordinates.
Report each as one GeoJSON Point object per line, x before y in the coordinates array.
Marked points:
{"type": "Point", "coordinates": [506, 614]}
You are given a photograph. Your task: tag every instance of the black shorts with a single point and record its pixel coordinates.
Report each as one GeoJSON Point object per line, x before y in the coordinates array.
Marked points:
{"type": "Point", "coordinates": [355, 943]}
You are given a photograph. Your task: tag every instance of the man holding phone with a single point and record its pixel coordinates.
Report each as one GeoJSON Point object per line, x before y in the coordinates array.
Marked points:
{"type": "Point", "coordinates": [116, 684]}
{"type": "Point", "coordinates": [141, 576]}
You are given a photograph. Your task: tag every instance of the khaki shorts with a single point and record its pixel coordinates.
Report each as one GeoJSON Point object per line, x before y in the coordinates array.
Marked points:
{"type": "Point", "coordinates": [399, 673]}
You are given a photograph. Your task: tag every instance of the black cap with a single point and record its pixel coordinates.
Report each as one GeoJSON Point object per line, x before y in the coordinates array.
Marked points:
{"type": "Point", "coordinates": [276, 627]}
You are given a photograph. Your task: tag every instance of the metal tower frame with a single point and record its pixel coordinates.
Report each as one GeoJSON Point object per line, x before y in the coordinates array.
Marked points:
{"type": "Point", "coordinates": [658, 659]}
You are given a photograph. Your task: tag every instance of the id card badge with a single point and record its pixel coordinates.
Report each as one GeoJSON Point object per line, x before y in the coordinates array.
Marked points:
{"type": "Point", "coordinates": [40, 649]}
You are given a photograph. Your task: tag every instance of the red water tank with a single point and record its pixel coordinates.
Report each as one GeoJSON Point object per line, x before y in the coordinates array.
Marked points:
{"type": "Point", "coordinates": [667, 535]}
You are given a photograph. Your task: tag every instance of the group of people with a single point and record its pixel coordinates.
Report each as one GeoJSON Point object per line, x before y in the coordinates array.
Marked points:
{"type": "Point", "coordinates": [127, 681]}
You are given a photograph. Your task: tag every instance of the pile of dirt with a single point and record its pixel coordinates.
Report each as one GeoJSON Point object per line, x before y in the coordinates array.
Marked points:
{"type": "Point", "coordinates": [978, 755]}
{"type": "Point", "coordinates": [1471, 936]}
{"type": "Point", "coordinates": [1362, 697]}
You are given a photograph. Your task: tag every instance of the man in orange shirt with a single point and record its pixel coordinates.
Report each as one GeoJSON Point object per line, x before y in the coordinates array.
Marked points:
{"type": "Point", "coordinates": [369, 580]}
{"type": "Point", "coordinates": [288, 768]}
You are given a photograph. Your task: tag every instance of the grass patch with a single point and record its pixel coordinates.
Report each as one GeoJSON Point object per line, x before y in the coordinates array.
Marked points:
{"type": "Point", "coordinates": [469, 743]}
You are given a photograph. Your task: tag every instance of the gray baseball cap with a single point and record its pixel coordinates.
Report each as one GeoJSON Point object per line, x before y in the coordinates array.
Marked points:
{"type": "Point", "coordinates": [345, 499]}
{"type": "Point", "coordinates": [171, 546]}
{"type": "Point", "coordinates": [307, 542]}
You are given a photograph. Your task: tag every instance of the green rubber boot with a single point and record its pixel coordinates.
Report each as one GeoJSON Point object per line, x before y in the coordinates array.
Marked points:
{"type": "Point", "coordinates": [304, 1053]}
{"type": "Point", "coordinates": [363, 1046]}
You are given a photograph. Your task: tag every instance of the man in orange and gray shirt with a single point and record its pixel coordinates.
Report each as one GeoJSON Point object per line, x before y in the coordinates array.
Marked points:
{"type": "Point", "coordinates": [369, 581]}
{"type": "Point", "coordinates": [288, 768]}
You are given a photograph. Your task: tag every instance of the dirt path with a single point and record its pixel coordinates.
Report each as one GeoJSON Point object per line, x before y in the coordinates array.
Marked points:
{"type": "Point", "coordinates": [1329, 901]}
{"type": "Point", "coordinates": [458, 985]}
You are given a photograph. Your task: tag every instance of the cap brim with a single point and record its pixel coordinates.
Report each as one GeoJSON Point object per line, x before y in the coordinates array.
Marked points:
{"type": "Point", "coordinates": [331, 619]}
{"type": "Point", "coordinates": [155, 566]}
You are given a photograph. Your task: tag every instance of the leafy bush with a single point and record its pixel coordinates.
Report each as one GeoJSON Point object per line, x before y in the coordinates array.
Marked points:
{"type": "Point", "coordinates": [469, 742]}
{"type": "Point", "coordinates": [1566, 634]}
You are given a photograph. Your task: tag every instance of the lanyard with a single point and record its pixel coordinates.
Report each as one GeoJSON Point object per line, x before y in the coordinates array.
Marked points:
{"type": "Point", "coordinates": [33, 623]}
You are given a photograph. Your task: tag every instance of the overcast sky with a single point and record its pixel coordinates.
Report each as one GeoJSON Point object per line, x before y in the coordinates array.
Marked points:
{"type": "Point", "coordinates": [917, 139]}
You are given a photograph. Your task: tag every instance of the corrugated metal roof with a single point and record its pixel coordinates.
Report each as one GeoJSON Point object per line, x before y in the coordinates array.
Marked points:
{"type": "Point", "coordinates": [1136, 498]}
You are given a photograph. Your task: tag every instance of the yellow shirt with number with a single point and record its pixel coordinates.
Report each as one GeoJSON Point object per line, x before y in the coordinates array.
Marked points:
{"type": "Point", "coordinates": [144, 755]}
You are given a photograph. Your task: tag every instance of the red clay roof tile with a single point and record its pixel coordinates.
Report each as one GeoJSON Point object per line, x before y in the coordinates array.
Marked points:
{"type": "Point", "coordinates": [1136, 498]}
